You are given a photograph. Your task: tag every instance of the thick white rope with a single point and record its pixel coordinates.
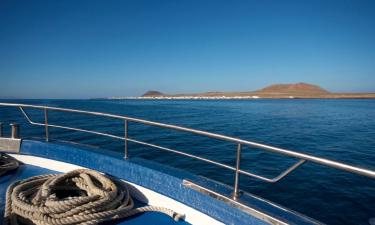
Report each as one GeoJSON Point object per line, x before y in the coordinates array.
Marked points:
{"type": "Point", "coordinates": [77, 197]}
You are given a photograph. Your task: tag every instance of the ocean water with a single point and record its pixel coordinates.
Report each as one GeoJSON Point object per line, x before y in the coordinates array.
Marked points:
{"type": "Point", "coordinates": [342, 130]}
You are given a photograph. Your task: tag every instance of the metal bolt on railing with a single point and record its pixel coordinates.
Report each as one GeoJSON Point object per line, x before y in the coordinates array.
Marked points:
{"type": "Point", "coordinates": [14, 130]}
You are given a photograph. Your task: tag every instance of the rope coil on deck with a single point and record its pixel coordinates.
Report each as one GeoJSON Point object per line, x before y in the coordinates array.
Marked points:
{"type": "Point", "coordinates": [7, 163]}
{"type": "Point", "coordinates": [77, 197]}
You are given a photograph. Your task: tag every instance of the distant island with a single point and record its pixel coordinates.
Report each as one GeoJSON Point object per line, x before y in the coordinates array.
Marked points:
{"type": "Point", "coordinates": [275, 91]}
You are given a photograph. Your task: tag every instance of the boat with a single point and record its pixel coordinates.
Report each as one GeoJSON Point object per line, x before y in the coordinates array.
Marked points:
{"type": "Point", "coordinates": [161, 194]}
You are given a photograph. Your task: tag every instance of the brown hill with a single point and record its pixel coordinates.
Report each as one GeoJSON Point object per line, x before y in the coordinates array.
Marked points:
{"type": "Point", "coordinates": [153, 94]}
{"type": "Point", "coordinates": [298, 88]}
{"type": "Point", "coordinates": [276, 91]}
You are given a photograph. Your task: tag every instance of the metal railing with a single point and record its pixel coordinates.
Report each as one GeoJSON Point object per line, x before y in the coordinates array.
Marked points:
{"type": "Point", "coordinates": [237, 168]}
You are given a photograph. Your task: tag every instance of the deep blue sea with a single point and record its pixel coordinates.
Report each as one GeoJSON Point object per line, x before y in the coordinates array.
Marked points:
{"type": "Point", "coordinates": [342, 130]}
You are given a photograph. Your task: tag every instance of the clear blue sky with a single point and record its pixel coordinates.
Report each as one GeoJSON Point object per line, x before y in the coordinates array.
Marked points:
{"type": "Point", "coordinates": [81, 49]}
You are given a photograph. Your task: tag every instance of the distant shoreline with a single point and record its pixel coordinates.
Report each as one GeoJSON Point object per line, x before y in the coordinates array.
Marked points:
{"type": "Point", "coordinates": [252, 97]}
{"type": "Point", "coordinates": [299, 90]}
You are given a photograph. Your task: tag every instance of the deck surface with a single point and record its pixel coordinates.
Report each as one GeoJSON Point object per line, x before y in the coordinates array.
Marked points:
{"type": "Point", "coordinates": [26, 171]}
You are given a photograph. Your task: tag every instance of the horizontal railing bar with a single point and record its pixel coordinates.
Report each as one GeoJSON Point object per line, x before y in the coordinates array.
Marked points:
{"type": "Point", "coordinates": [318, 160]}
{"type": "Point", "coordinates": [87, 131]}
{"type": "Point", "coordinates": [70, 128]}
{"type": "Point", "coordinates": [182, 153]}
{"type": "Point", "coordinates": [270, 180]}
{"type": "Point", "coordinates": [81, 130]}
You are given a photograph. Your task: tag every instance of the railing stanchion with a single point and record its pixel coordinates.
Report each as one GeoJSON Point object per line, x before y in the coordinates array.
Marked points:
{"type": "Point", "coordinates": [46, 123]}
{"type": "Point", "coordinates": [237, 173]}
{"type": "Point", "coordinates": [126, 139]}
{"type": "Point", "coordinates": [1, 129]}
{"type": "Point", "coordinates": [14, 130]}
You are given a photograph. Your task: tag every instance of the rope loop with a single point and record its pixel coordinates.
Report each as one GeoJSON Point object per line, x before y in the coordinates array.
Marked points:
{"type": "Point", "coordinates": [77, 197]}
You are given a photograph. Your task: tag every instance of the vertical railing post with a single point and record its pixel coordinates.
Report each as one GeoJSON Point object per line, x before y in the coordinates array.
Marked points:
{"type": "Point", "coordinates": [14, 130]}
{"type": "Point", "coordinates": [1, 129]}
{"type": "Point", "coordinates": [237, 173]}
{"type": "Point", "coordinates": [126, 139]}
{"type": "Point", "coordinates": [46, 123]}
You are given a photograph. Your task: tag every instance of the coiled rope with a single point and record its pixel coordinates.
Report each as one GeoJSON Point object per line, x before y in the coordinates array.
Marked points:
{"type": "Point", "coordinates": [7, 163]}
{"type": "Point", "coordinates": [77, 197]}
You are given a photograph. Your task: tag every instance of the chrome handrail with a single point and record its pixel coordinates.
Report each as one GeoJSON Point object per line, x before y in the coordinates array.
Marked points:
{"type": "Point", "coordinates": [240, 142]}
